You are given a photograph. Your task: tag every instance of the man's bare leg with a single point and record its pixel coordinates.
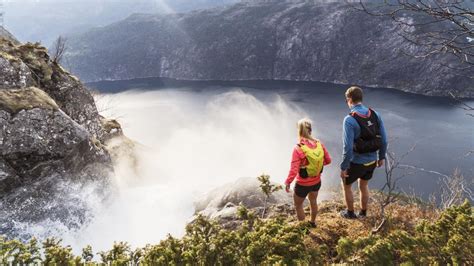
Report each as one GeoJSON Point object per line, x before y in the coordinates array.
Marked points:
{"type": "Point", "coordinates": [348, 196]}
{"type": "Point", "coordinates": [364, 194]}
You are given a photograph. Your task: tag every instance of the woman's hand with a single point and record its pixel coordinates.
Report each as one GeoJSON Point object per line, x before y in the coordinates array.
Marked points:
{"type": "Point", "coordinates": [287, 188]}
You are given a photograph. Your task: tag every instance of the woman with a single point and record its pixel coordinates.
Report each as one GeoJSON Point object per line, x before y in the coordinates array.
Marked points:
{"type": "Point", "coordinates": [309, 157]}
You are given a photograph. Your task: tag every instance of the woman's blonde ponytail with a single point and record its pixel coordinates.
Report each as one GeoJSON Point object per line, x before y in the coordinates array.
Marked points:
{"type": "Point", "coordinates": [305, 129]}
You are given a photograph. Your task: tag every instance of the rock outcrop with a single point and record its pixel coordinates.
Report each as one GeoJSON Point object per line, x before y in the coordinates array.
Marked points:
{"type": "Point", "coordinates": [281, 40]}
{"type": "Point", "coordinates": [221, 204]}
{"type": "Point", "coordinates": [52, 156]}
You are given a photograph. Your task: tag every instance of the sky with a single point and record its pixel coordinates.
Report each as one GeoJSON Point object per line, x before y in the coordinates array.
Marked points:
{"type": "Point", "coordinates": [45, 20]}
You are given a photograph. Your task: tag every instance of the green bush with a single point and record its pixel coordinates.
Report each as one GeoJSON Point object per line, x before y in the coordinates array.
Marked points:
{"type": "Point", "coordinates": [449, 240]}
{"type": "Point", "coordinates": [446, 241]}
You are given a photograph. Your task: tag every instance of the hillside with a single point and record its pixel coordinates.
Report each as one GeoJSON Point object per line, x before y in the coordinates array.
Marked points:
{"type": "Point", "coordinates": [329, 42]}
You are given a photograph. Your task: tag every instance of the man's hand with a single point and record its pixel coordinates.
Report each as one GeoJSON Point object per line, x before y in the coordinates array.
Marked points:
{"type": "Point", "coordinates": [287, 188]}
{"type": "Point", "coordinates": [380, 163]}
{"type": "Point", "coordinates": [344, 174]}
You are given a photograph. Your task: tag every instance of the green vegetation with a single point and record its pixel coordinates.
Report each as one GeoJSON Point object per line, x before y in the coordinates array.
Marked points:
{"type": "Point", "coordinates": [280, 241]}
{"type": "Point", "coordinates": [447, 241]}
{"type": "Point", "coordinates": [268, 189]}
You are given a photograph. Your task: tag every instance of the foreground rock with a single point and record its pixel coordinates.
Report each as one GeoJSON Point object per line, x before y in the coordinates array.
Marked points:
{"type": "Point", "coordinates": [53, 163]}
{"type": "Point", "coordinates": [222, 203]}
{"type": "Point", "coordinates": [280, 40]}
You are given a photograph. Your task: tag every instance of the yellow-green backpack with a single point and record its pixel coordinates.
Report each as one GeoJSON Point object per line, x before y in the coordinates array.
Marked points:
{"type": "Point", "coordinates": [315, 157]}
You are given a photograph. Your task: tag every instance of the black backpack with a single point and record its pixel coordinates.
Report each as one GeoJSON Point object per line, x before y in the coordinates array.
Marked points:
{"type": "Point", "coordinates": [370, 139]}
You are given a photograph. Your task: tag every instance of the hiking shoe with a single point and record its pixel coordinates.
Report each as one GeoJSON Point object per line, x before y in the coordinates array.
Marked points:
{"type": "Point", "coordinates": [348, 214]}
{"type": "Point", "coordinates": [362, 214]}
{"type": "Point", "coordinates": [312, 224]}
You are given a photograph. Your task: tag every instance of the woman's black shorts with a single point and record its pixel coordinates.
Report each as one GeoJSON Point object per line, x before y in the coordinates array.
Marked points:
{"type": "Point", "coordinates": [303, 191]}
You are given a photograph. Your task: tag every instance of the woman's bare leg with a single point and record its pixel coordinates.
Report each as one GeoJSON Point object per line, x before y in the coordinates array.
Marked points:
{"type": "Point", "coordinates": [299, 207]}
{"type": "Point", "coordinates": [313, 201]}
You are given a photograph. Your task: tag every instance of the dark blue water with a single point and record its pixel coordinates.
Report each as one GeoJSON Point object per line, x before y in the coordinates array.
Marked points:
{"type": "Point", "coordinates": [438, 128]}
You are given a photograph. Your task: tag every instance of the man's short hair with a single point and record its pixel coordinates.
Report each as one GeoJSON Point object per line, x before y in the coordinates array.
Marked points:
{"type": "Point", "coordinates": [355, 94]}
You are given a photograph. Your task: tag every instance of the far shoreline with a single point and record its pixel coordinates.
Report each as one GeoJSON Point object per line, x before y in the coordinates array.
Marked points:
{"type": "Point", "coordinates": [153, 83]}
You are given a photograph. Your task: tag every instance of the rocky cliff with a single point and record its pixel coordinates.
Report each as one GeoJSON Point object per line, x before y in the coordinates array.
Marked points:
{"type": "Point", "coordinates": [51, 141]}
{"type": "Point", "coordinates": [329, 42]}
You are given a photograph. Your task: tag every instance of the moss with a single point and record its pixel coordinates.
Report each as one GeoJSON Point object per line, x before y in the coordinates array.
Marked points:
{"type": "Point", "coordinates": [14, 101]}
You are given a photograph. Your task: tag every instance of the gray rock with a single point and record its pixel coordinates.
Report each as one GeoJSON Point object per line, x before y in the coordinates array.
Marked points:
{"type": "Point", "coordinates": [35, 139]}
{"type": "Point", "coordinates": [25, 65]}
{"type": "Point", "coordinates": [308, 41]}
{"type": "Point", "coordinates": [221, 204]}
{"type": "Point", "coordinates": [244, 191]}
{"type": "Point", "coordinates": [53, 164]}
{"type": "Point", "coordinates": [14, 73]}
{"type": "Point", "coordinates": [9, 180]}
{"type": "Point", "coordinates": [44, 154]}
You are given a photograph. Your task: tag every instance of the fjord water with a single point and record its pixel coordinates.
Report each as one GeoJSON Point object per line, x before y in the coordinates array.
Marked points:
{"type": "Point", "coordinates": [196, 137]}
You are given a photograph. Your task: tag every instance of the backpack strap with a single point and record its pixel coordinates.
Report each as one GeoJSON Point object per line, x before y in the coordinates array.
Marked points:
{"type": "Point", "coordinates": [354, 114]}
{"type": "Point", "coordinates": [372, 112]}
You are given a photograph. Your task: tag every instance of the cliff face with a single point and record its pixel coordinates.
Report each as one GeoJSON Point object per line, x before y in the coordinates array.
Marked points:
{"type": "Point", "coordinates": [51, 137]}
{"type": "Point", "coordinates": [327, 42]}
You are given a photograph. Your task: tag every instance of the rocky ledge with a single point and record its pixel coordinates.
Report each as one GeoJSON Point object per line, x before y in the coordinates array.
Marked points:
{"type": "Point", "coordinates": [52, 155]}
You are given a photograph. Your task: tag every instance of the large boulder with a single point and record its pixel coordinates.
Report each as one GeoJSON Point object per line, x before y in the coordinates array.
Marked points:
{"type": "Point", "coordinates": [244, 191]}
{"type": "Point", "coordinates": [222, 203]}
{"type": "Point", "coordinates": [41, 150]}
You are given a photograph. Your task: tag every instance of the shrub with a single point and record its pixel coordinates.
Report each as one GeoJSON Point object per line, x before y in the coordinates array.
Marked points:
{"type": "Point", "coordinates": [446, 241]}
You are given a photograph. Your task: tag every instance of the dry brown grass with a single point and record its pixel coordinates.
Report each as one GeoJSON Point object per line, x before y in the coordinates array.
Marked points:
{"type": "Point", "coordinates": [14, 101]}
{"type": "Point", "coordinates": [403, 215]}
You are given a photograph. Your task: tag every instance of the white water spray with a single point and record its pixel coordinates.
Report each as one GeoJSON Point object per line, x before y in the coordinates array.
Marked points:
{"type": "Point", "coordinates": [191, 143]}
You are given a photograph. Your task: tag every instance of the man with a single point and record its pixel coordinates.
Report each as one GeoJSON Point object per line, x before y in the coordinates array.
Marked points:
{"type": "Point", "coordinates": [364, 148]}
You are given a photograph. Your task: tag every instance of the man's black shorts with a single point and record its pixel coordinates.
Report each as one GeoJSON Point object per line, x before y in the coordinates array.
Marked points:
{"type": "Point", "coordinates": [303, 191]}
{"type": "Point", "coordinates": [364, 172]}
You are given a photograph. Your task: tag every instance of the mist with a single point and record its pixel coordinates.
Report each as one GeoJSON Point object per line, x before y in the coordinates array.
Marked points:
{"type": "Point", "coordinates": [189, 143]}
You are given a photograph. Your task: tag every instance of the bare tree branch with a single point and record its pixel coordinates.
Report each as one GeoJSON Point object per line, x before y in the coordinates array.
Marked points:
{"type": "Point", "coordinates": [390, 192]}
{"type": "Point", "coordinates": [439, 27]}
{"type": "Point", "coordinates": [59, 49]}
{"type": "Point", "coordinates": [468, 108]}
{"type": "Point", "coordinates": [454, 190]}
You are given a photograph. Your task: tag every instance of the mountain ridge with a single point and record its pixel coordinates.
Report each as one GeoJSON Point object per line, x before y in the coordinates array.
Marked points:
{"type": "Point", "coordinates": [279, 41]}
